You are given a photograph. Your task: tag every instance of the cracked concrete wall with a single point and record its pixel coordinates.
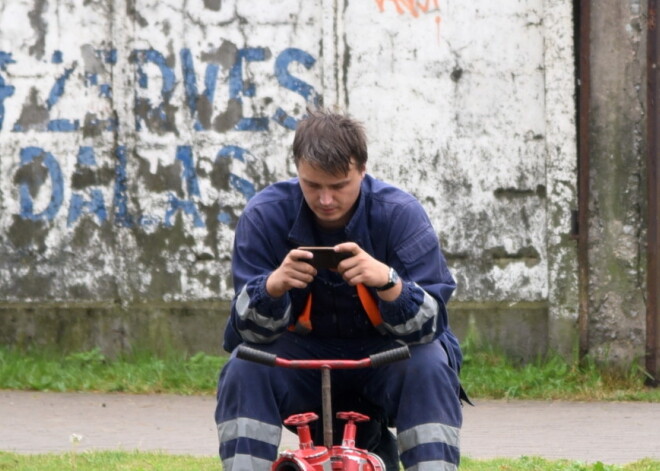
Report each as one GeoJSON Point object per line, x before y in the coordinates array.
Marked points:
{"type": "Point", "coordinates": [617, 259]}
{"type": "Point", "coordinates": [132, 133]}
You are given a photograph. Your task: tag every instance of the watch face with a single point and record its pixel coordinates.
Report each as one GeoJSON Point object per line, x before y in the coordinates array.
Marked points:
{"type": "Point", "coordinates": [393, 279]}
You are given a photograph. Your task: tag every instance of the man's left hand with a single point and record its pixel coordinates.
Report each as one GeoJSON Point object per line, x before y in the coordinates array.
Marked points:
{"type": "Point", "coordinates": [363, 268]}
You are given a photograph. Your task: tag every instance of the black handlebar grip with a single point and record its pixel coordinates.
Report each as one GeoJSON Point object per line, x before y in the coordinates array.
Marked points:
{"type": "Point", "coordinates": [390, 356]}
{"type": "Point", "coordinates": [258, 356]}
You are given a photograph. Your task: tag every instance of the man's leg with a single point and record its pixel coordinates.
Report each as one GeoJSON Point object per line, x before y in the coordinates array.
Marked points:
{"type": "Point", "coordinates": [422, 394]}
{"type": "Point", "coordinates": [252, 401]}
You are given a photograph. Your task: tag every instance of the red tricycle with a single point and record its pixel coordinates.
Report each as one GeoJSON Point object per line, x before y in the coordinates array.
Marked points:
{"type": "Point", "coordinates": [310, 457]}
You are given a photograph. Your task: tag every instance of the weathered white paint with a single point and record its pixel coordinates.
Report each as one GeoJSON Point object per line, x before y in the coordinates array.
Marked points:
{"type": "Point", "coordinates": [468, 105]}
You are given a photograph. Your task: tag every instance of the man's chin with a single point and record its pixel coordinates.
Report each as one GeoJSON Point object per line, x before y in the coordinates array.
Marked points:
{"type": "Point", "coordinates": [329, 221]}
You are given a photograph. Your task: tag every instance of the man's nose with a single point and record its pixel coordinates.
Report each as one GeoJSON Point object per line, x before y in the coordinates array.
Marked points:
{"type": "Point", "coordinates": [325, 197]}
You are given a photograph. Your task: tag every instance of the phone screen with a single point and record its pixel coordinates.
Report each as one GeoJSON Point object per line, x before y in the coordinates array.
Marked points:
{"type": "Point", "coordinates": [325, 257]}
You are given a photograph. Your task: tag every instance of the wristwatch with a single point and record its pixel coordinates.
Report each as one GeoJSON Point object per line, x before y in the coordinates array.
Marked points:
{"type": "Point", "coordinates": [392, 280]}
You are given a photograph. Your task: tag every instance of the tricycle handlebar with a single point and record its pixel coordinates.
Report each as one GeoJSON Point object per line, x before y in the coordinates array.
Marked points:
{"type": "Point", "coordinates": [269, 359]}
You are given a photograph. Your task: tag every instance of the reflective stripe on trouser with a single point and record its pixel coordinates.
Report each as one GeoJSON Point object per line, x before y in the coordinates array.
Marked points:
{"type": "Point", "coordinates": [420, 395]}
{"type": "Point", "coordinates": [429, 434]}
{"type": "Point", "coordinates": [433, 466]}
{"type": "Point", "coordinates": [246, 463]}
{"type": "Point", "coordinates": [255, 435]}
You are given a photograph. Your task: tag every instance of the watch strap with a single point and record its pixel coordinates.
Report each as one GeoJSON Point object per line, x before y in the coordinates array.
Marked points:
{"type": "Point", "coordinates": [393, 279]}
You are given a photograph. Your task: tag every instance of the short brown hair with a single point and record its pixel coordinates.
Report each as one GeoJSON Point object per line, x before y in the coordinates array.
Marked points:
{"type": "Point", "coordinates": [330, 141]}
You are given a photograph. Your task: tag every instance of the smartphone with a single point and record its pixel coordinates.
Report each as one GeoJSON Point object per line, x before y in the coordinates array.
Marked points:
{"type": "Point", "coordinates": [325, 257]}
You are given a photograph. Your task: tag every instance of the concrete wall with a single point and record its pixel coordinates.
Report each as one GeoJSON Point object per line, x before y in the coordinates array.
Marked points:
{"type": "Point", "coordinates": [132, 133]}
{"type": "Point", "coordinates": [617, 259]}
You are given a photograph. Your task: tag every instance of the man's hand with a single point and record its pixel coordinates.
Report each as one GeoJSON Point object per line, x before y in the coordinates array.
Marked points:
{"type": "Point", "coordinates": [363, 268]}
{"type": "Point", "coordinates": [292, 273]}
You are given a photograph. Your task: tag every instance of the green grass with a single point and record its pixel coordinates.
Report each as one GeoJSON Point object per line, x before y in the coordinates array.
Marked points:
{"type": "Point", "coordinates": [106, 461]}
{"type": "Point", "coordinates": [138, 461]}
{"type": "Point", "coordinates": [540, 464]}
{"type": "Point", "coordinates": [141, 372]}
{"type": "Point", "coordinates": [489, 374]}
{"type": "Point", "coordinates": [486, 374]}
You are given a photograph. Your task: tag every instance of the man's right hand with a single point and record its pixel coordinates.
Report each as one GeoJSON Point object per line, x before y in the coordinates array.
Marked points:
{"type": "Point", "coordinates": [293, 272]}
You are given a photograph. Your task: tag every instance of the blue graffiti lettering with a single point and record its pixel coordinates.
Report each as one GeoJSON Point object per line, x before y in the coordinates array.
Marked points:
{"type": "Point", "coordinates": [239, 88]}
{"type": "Point", "coordinates": [86, 156]}
{"type": "Point", "coordinates": [245, 187]}
{"type": "Point", "coordinates": [105, 90]}
{"type": "Point", "coordinates": [159, 115]}
{"type": "Point", "coordinates": [188, 207]}
{"type": "Point", "coordinates": [27, 156]}
{"type": "Point", "coordinates": [91, 202]}
{"type": "Point", "coordinates": [5, 90]}
{"type": "Point", "coordinates": [224, 217]}
{"type": "Point", "coordinates": [153, 113]}
{"type": "Point", "coordinates": [120, 199]}
{"type": "Point", "coordinates": [185, 156]}
{"type": "Point", "coordinates": [58, 89]}
{"type": "Point", "coordinates": [5, 58]}
{"type": "Point", "coordinates": [190, 85]}
{"type": "Point", "coordinates": [96, 203]}
{"type": "Point", "coordinates": [109, 55]}
{"type": "Point", "coordinates": [235, 152]}
{"type": "Point", "coordinates": [91, 79]}
{"type": "Point", "coordinates": [63, 125]}
{"type": "Point", "coordinates": [292, 83]}
{"type": "Point", "coordinates": [56, 92]}
{"type": "Point", "coordinates": [144, 56]}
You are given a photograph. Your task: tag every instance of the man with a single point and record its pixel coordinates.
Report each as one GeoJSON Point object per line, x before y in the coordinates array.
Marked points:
{"type": "Point", "coordinates": [293, 310]}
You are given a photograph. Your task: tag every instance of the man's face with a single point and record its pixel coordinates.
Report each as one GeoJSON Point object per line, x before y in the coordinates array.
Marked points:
{"type": "Point", "coordinates": [330, 197]}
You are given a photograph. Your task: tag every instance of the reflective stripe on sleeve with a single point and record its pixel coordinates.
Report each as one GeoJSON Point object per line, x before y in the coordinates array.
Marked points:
{"type": "Point", "coordinates": [253, 337]}
{"type": "Point", "coordinates": [245, 313]}
{"type": "Point", "coordinates": [427, 310]}
{"type": "Point", "coordinates": [428, 433]}
{"type": "Point", "coordinates": [243, 427]}
{"type": "Point", "coordinates": [426, 339]}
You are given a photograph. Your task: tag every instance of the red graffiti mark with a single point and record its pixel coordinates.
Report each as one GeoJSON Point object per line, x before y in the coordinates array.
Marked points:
{"type": "Point", "coordinates": [414, 7]}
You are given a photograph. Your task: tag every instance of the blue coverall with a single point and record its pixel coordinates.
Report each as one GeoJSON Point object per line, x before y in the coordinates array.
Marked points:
{"type": "Point", "coordinates": [420, 395]}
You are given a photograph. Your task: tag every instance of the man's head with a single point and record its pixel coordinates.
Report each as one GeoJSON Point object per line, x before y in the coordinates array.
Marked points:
{"type": "Point", "coordinates": [330, 142]}
{"type": "Point", "coordinates": [330, 153]}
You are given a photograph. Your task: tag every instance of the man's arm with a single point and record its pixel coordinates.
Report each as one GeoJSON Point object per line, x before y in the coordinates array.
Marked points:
{"type": "Point", "coordinates": [261, 308]}
{"type": "Point", "coordinates": [414, 310]}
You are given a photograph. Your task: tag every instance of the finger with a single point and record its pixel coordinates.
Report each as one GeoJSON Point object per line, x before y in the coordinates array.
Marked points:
{"type": "Point", "coordinates": [297, 279]}
{"type": "Point", "coordinates": [297, 255]}
{"type": "Point", "coordinates": [352, 276]}
{"type": "Point", "coordinates": [300, 270]}
{"type": "Point", "coordinates": [350, 247]}
{"type": "Point", "coordinates": [299, 283]}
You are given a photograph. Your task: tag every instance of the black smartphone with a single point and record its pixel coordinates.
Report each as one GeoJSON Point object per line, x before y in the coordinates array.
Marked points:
{"type": "Point", "coordinates": [325, 257]}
